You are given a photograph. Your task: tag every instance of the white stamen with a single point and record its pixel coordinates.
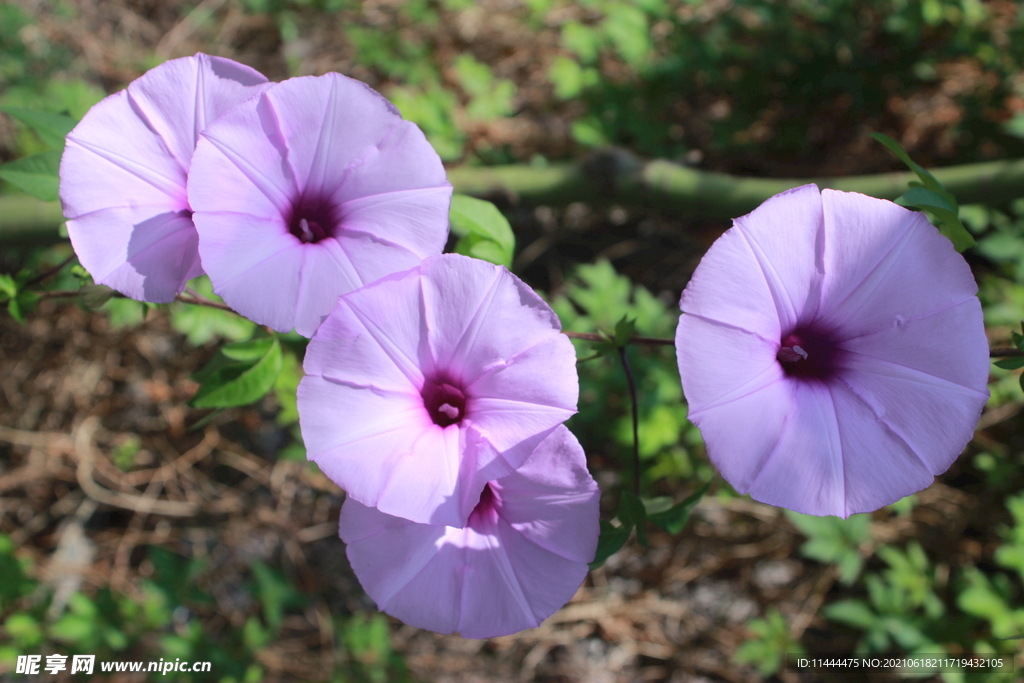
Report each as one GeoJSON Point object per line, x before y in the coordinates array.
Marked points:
{"type": "Point", "coordinates": [451, 411]}
{"type": "Point", "coordinates": [307, 234]}
{"type": "Point", "coordinates": [792, 354]}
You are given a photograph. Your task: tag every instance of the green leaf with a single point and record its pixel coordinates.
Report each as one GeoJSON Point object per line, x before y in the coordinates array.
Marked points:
{"type": "Point", "coordinates": [567, 77]}
{"type": "Point", "coordinates": [8, 287]}
{"type": "Point", "coordinates": [623, 331]}
{"type": "Point", "coordinates": [95, 296]}
{"type": "Point", "coordinates": [227, 383]}
{"type": "Point", "coordinates": [944, 207]}
{"type": "Point", "coordinates": [204, 323]}
{"type": "Point", "coordinates": [633, 513]}
{"type": "Point", "coordinates": [275, 594]}
{"type": "Point", "coordinates": [483, 231]}
{"type": "Point", "coordinates": [24, 630]}
{"type": "Point", "coordinates": [51, 128]}
{"type": "Point", "coordinates": [930, 195]}
{"type": "Point", "coordinates": [675, 518]}
{"type": "Point", "coordinates": [610, 541]}
{"type": "Point", "coordinates": [73, 629]}
{"type": "Point", "coordinates": [35, 175]}
{"type": "Point", "coordinates": [852, 613]}
{"type": "Point", "coordinates": [254, 636]}
{"type": "Point", "coordinates": [248, 351]}
{"type": "Point", "coordinates": [1011, 363]}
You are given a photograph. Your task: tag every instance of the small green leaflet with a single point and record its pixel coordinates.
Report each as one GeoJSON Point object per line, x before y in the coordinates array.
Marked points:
{"type": "Point", "coordinates": [239, 374]}
{"type": "Point", "coordinates": [483, 232]}
{"type": "Point", "coordinates": [19, 301]}
{"type": "Point", "coordinates": [611, 540]}
{"type": "Point", "coordinates": [35, 175]}
{"type": "Point", "coordinates": [930, 195]}
{"type": "Point", "coordinates": [633, 513]}
{"type": "Point", "coordinates": [675, 518]}
{"type": "Point", "coordinates": [51, 128]}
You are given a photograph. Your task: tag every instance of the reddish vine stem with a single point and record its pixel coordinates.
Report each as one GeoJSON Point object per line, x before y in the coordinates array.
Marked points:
{"type": "Point", "coordinates": [52, 271]}
{"type": "Point", "coordinates": [197, 300]}
{"type": "Point", "coordinates": [592, 336]}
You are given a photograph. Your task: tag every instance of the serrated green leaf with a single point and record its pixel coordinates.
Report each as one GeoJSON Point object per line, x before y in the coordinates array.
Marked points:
{"type": "Point", "coordinates": [1018, 339]}
{"type": "Point", "coordinates": [1010, 363]}
{"type": "Point", "coordinates": [632, 513]}
{"type": "Point", "coordinates": [623, 331]}
{"type": "Point", "coordinates": [610, 541]}
{"type": "Point", "coordinates": [675, 518]}
{"type": "Point", "coordinates": [239, 383]}
{"type": "Point", "coordinates": [52, 129]}
{"type": "Point", "coordinates": [35, 175]}
{"type": "Point", "coordinates": [477, 222]}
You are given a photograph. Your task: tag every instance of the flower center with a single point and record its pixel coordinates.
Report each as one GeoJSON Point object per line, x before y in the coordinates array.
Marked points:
{"type": "Point", "coordinates": [312, 219]}
{"type": "Point", "coordinates": [809, 354]}
{"type": "Point", "coordinates": [486, 510]}
{"type": "Point", "coordinates": [445, 402]}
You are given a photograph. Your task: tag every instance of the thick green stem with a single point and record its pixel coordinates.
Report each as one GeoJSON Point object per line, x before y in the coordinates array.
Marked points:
{"type": "Point", "coordinates": [618, 176]}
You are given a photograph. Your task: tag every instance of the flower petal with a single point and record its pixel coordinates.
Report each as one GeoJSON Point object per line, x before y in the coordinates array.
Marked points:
{"type": "Point", "coordinates": [881, 262]}
{"type": "Point", "coordinates": [552, 500]}
{"type": "Point", "coordinates": [384, 450]}
{"type": "Point", "coordinates": [494, 316]}
{"type": "Point", "coordinates": [879, 467]}
{"type": "Point", "coordinates": [933, 415]}
{"type": "Point", "coordinates": [804, 471]}
{"type": "Point", "coordinates": [126, 163]}
{"type": "Point", "coordinates": [505, 352]}
{"type": "Point", "coordinates": [742, 432]}
{"type": "Point", "coordinates": [189, 95]}
{"type": "Point", "coordinates": [509, 569]}
{"type": "Point", "coordinates": [718, 363]}
{"type": "Point", "coordinates": [730, 287]}
{"type": "Point", "coordinates": [331, 146]}
{"type": "Point", "coordinates": [533, 583]}
{"type": "Point", "coordinates": [412, 571]}
{"type": "Point", "coordinates": [786, 236]}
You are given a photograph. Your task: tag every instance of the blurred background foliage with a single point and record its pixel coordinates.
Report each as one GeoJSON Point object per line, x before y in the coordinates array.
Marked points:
{"type": "Point", "coordinates": [757, 87]}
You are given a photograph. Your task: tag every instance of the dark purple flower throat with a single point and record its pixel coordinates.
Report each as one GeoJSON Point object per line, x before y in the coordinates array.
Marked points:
{"type": "Point", "coordinates": [313, 219]}
{"type": "Point", "coordinates": [444, 401]}
{"type": "Point", "coordinates": [809, 354]}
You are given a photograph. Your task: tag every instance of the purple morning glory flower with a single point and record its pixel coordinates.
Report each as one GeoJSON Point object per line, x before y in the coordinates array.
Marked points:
{"type": "Point", "coordinates": [832, 352]}
{"type": "Point", "coordinates": [309, 191]}
{"type": "Point", "coordinates": [122, 175]}
{"type": "Point", "coordinates": [422, 387]}
{"type": "Point", "coordinates": [521, 556]}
